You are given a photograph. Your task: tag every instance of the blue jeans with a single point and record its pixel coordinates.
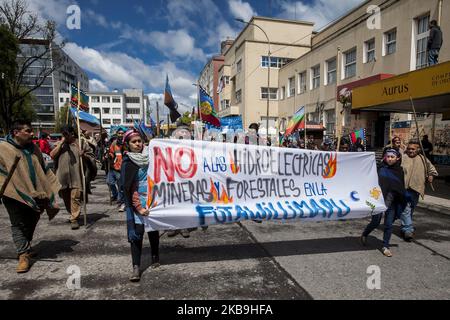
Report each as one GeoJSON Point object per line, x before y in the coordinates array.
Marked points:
{"type": "Point", "coordinates": [389, 217]}
{"type": "Point", "coordinates": [412, 198]}
{"type": "Point", "coordinates": [113, 180]}
{"type": "Point", "coordinates": [433, 55]}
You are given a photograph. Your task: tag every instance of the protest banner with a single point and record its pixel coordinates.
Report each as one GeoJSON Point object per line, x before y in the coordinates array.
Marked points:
{"type": "Point", "coordinates": [198, 183]}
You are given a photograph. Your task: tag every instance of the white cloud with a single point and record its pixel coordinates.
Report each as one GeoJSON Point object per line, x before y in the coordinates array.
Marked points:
{"type": "Point", "coordinates": [97, 85]}
{"type": "Point", "coordinates": [139, 9]}
{"type": "Point", "coordinates": [176, 43]}
{"type": "Point", "coordinates": [50, 9]}
{"type": "Point", "coordinates": [119, 70]}
{"type": "Point", "coordinates": [321, 12]}
{"type": "Point", "coordinates": [242, 10]}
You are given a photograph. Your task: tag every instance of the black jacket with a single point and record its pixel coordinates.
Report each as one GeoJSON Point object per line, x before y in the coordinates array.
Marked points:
{"type": "Point", "coordinates": [392, 183]}
{"type": "Point", "coordinates": [435, 38]}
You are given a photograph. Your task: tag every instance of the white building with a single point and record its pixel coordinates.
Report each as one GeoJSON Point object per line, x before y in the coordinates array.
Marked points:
{"type": "Point", "coordinates": [115, 108]}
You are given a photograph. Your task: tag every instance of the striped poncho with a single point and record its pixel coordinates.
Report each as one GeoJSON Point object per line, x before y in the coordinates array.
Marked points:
{"type": "Point", "coordinates": [31, 180]}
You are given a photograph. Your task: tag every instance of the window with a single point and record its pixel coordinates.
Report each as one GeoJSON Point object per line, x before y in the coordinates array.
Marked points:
{"type": "Point", "coordinates": [132, 100]}
{"type": "Point", "coordinates": [95, 99]}
{"type": "Point", "coordinates": [106, 121]}
{"type": "Point", "coordinates": [239, 96]}
{"type": "Point", "coordinates": [106, 100]}
{"type": "Point", "coordinates": [239, 66]}
{"type": "Point", "coordinates": [390, 42]}
{"type": "Point", "coordinates": [128, 120]}
{"type": "Point", "coordinates": [315, 77]}
{"type": "Point", "coordinates": [96, 110]}
{"type": "Point", "coordinates": [331, 71]}
{"type": "Point", "coordinates": [224, 104]}
{"type": "Point", "coordinates": [106, 110]}
{"type": "Point", "coordinates": [291, 83]}
{"type": "Point", "coordinates": [421, 41]}
{"type": "Point", "coordinates": [330, 120]}
{"type": "Point", "coordinates": [133, 111]}
{"type": "Point", "coordinates": [116, 99]}
{"type": "Point", "coordinates": [272, 93]}
{"type": "Point", "coordinates": [275, 62]}
{"type": "Point", "coordinates": [302, 82]}
{"type": "Point", "coordinates": [116, 121]}
{"type": "Point", "coordinates": [116, 111]}
{"type": "Point", "coordinates": [370, 51]}
{"type": "Point", "coordinates": [61, 100]}
{"type": "Point", "coordinates": [282, 93]}
{"type": "Point", "coordinates": [226, 80]}
{"type": "Point", "coordinates": [350, 63]}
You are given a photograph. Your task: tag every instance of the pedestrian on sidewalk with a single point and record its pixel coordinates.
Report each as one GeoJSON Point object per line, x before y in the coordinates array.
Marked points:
{"type": "Point", "coordinates": [113, 177]}
{"type": "Point", "coordinates": [31, 189]}
{"type": "Point", "coordinates": [427, 148]}
{"type": "Point", "coordinates": [396, 143]}
{"type": "Point", "coordinates": [434, 43]}
{"type": "Point", "coordinates": [418, 171]}
{"type": "Point", "coordinates": [392, 182]}
{"type": "Point", "coordinates": [67, 157]}
{"type": "Point", "coordinates": [134, 180]}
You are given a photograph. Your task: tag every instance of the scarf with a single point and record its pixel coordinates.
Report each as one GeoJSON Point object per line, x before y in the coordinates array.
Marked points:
{"type": "Point", "coordinates": [139, 158]}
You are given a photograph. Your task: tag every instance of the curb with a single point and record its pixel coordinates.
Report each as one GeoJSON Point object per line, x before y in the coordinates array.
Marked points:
{"type": "Point", "coordinates": [434, 207]}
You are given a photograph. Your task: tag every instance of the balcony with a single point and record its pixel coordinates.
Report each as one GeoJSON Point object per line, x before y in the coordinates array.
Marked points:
{"type": "Point", "coordinates": [230, 111]}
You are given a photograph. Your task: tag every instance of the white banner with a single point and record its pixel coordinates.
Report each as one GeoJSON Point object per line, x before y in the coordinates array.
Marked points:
{"type": "Point", "coordinates": [199, 183]}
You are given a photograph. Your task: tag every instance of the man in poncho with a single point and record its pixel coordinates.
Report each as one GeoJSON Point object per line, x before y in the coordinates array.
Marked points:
{"type": "Point", "coordinates": [30, 191]}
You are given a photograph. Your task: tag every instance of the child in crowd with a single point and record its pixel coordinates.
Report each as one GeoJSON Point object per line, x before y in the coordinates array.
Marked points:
{"type": "Point", "coordinates": [392, 183]}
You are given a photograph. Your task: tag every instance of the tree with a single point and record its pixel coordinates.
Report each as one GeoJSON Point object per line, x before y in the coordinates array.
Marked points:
{"type": "Point", "coordinates": [61, 117]}
{"type": "Point", "coordinates": [28, 42]}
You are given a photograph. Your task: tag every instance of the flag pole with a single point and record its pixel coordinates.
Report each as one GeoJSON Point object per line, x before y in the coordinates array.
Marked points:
{"type": "Point", "coordinates": [306, 123]}
{"type": "Point", "coordinates": [157, 119]}
{"type": "Point", "coordinates": [424, 159]}
{"type": "Point", "coordinates": [81, 157]}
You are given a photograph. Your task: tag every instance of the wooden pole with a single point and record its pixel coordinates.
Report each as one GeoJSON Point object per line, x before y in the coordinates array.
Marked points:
{"type": "Point", "coordinates": [81, 157]}
{"type": "Point", "coordinates": [168, 124]}
{"type": "Point", "coordinates": [67, 112]}
{"type": "Point", "coordinates": [424, 159]}
{"type": "Point", "coordinates": [157, 119]}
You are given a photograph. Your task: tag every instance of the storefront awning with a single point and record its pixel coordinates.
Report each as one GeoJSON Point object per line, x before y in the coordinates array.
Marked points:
{"type": "Point", "coordinates": [428, 87]}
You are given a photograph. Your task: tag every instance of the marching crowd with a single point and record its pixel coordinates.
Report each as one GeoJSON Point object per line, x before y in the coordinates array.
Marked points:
{"type": "Point", "coordinates": [29, 187]}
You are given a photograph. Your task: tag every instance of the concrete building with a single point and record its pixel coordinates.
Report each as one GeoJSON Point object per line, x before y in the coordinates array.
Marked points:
{"type": "Point", "coordinates": [355, 51]}
{"type": "Point", "coordinates": [209, 77]}
{"type": "Point", "coordinates": [245, 69]}
{"type": "Point", "coordinates": [115, 108]}
{"type": "Point", "coordinates": [58, 81]}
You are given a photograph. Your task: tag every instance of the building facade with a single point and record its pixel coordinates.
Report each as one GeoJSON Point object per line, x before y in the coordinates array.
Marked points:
{"type": "Point", "coordinates": [245, 69]}
{"type": "Point", "coordinates": [115, 108]}
{"type": "Point", "coordinates": [60, 80]}
{"type": "Point", "coordinates": [355, 51]}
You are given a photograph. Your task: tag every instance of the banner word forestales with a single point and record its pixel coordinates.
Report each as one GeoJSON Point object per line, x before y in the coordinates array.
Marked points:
{"type": "Point", "coordinates": [199, 183]}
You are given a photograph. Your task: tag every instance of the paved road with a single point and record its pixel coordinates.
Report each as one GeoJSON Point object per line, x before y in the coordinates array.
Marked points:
{"type": "Point", "coordinates": [240, 261]}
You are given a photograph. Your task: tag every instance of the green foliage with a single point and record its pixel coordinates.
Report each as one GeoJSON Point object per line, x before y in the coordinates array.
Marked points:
{"type": "Point", "coordinates": [61, 118]}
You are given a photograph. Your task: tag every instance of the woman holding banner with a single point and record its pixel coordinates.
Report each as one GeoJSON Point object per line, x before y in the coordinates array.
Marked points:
{"type": "Point", "coordinates": [134, 180]}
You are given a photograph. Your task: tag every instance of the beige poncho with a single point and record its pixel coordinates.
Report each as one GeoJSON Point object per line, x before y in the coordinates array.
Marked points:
{"type": "Point", "coordinates": [30, 180]}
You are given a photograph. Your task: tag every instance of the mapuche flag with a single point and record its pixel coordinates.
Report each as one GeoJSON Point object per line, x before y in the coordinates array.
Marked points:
{"type": "Point", "coordinates": [207, 111]}
{"type": "Point", "coordinates": [297, 121]}
{"type": "Point", "coordinates": [84, 100]}
{"type": "Point", "coordinates": [169, 101]}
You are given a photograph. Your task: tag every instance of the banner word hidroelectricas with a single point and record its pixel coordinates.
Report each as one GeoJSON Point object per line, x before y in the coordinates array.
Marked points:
{"type": "Point", "coordinates": [199, 183]}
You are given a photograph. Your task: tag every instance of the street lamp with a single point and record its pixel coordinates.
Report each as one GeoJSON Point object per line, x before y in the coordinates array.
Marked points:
{"type": "Point", "coordinates": [268, 70]}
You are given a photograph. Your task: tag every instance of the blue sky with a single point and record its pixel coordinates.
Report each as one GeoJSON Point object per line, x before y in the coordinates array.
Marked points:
{"type": "Point", "coordinates": [133, 44]}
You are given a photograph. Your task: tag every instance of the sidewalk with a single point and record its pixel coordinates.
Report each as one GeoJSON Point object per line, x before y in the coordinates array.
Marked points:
{"type": "Point", "coordinates": [439, 199]}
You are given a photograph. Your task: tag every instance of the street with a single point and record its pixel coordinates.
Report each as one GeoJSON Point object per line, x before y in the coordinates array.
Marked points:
{"type": "Point", "coordinates": [271, 260]}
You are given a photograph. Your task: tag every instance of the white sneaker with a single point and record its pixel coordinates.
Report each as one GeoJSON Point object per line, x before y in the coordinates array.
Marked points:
{"type": "Point", "coordinates": [386, 252]}
{"type": "Point", "coordinates": [122, 208]}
